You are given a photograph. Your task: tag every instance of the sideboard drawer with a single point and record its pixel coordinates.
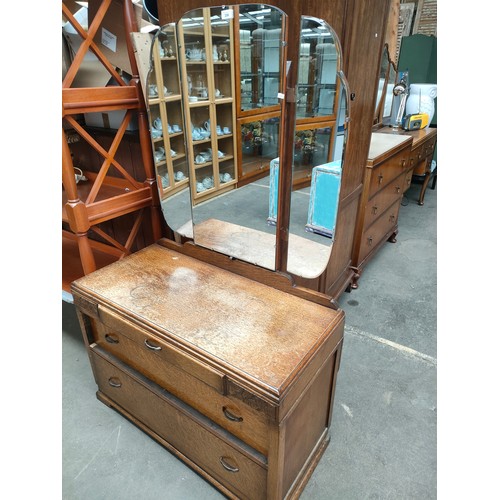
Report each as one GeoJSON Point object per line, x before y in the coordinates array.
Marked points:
{"type": "Point", "coordinates": [407, 181]}
{"type": "Point", "coordinates": [229, 461]}
{"type": "Point", "coordinates": [378, 231]}
{"type": "Point", "coordinates": [377, 205]}
{"type": "Point", "coordinates": [386, 172]}
{"type": "Point", "coordinates": [245, 422]}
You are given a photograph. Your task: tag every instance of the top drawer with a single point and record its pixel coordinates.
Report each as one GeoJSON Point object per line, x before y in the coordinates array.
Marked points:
{"type": "Point", "coordinates": [197, 384]}
{"type": "Point", "coordinates": [384, 173]}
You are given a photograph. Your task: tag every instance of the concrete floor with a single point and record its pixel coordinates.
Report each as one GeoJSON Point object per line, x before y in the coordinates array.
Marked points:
{"type": "Point", "coordinates": [383, 436]}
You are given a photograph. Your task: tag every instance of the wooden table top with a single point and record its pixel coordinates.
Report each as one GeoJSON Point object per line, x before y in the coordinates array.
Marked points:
{"type": "Point", "coordinates": [253, 331]}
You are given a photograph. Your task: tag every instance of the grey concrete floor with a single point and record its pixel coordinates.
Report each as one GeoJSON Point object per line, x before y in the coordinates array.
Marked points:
{"type": "Point", "coordinates": [383, 435]}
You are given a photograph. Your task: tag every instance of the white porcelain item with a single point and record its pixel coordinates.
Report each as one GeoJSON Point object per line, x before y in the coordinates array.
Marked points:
{"type": "Point", "coordinates": [421, 99]}
{"type": "Point", "coordinates": [79, 175]}
{"type": "Point", "coordinates": [158, 124]}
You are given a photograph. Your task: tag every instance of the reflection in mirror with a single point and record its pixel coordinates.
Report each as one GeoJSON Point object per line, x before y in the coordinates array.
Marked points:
{"type": "Point", "coordinates": [389, 95]}
{"type": "Point", "coordinates": [228, 149]}
{"type": "Point", "coordinates": [319, 146]}
{"type": "Point", "coordinates": [164, 99]}
{"type": "Point", "coordinates": [385, 96]}
{"type": "Point", "coordinates": [260, 29]}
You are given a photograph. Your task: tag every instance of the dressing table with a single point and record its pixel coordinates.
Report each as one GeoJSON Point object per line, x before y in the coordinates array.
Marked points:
{"type": "Point", "coordinates": [209, 341]}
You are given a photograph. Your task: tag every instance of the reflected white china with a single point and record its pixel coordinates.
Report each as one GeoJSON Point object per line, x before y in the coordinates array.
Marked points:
{"type": "Point", "coordinates": [197, 135]}
{"type": "Point", "coordinates": [200, 159]}
{"type": "Point", "coordinates": [193, 98]}
{"type": "Point", "coordinates": [207, 125]}
{"type": "Point", "coordinates": [199, 187]}
{"type": "Point", "coordinates": [176, 128]}
{"type": "Point", "coordinates": [157, 124]}
{"type": "Point", "coordinates": [155, 133]}
{"type": "Point", "coordinates": [165, 181]}
{"type": "Point", "coordinates": [152, 90]}
{"type": "Point", "coordinates": [208, 182]}
{"type": "Point", "coordinates": [204, 93]}
{"type": "Point", "coordinates": [173, 153]}
{"type": "Point", "coordinates": [194, 54]}
{"type": "Point", "coordinates": [179, 176]}
{"type": "Point", "coordinates": [217, 93]}
{"type": "Point", "coordinates": [226, 130]}
{"type": "Point", "coordinates": [219, 130]}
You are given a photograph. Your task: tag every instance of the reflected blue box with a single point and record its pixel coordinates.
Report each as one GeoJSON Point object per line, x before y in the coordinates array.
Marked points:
{"type": "Point", "coordinates": [324, 198]}
{"type": "Point", "coordinates": [273, 190]}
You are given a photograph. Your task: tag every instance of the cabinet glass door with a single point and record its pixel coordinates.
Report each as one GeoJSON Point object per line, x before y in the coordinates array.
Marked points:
{"type": "Point", "coordinates": [261, 56]}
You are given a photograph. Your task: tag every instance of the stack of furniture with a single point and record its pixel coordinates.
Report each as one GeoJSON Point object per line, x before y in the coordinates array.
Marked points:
{"type": "Point", "coordinates": [109, 191]}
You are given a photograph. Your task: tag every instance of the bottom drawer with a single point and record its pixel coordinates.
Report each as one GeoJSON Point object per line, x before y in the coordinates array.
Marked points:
{"type": "Point", "coordinates": [235, 465]}
{"type": "Point", "coordinates": [379, 230]}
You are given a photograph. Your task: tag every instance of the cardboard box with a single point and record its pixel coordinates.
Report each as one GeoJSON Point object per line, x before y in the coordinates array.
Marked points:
{"type": "Point", "coordinates": [91, 72]}
{"type": "Point", "coordinates": [111, 37]}
{"type": "Point", "coordinates": [111, 120]}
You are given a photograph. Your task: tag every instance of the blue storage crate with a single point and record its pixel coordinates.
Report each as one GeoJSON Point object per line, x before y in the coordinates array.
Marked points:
{"type": "Point", "coordinates": [273, 190]}
{"type": "Point", "coordinates": [324, 198]}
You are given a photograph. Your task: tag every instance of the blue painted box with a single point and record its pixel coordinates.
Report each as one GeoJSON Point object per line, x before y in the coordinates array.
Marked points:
{"type": "Point", "coordinates": [273, 190]}
{"type": "Point", "coordinates": [324, 198]}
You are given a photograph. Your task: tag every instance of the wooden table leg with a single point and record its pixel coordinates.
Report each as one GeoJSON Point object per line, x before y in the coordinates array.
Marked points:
{"type": "Point", "coordinates": [424, 187]}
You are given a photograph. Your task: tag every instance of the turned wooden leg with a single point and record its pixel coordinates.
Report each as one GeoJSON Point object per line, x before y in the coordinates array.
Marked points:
{"type": "Point", "coordinates": [86, 254]}
{"type": "Point", "coordinates": [424, 187]}
{"type": "Point", "coordinates": [392, 237]}
{"type": "Point", "coordinates": [354, 283]}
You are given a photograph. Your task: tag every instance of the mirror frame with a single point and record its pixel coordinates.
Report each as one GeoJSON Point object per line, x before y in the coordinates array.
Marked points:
{"type": "Point", "coordinates": [379, 110]}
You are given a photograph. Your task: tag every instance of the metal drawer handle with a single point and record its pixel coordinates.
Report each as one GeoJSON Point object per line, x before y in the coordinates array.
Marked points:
{"type": "Point", "coordinates": [392, 218]}
{"type": "Point", "coordinates": [380, 177]}
{"type": "Point", "coordinates": [151, 346]}
{"type": "Point", "coordinates": [370, 241]}
{"type": "Point", "coordinates": [374, 210]}
{"type": "Point", "coordinates": [114, 382]}
{"type": "Point", "coordinates": [398, 189]}
{"type": "Point", "coordinates": [403, 163]}
{"type": "Point", "coordinates": [231, 416]}
{"type": "Point", "coordinates": [228, 467]}
{"type": "Point", "coordinates": [111, 338]}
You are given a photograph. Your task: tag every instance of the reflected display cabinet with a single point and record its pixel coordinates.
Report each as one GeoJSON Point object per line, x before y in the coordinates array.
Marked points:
{"type": "Point", "coordinates": [206, 61]}
{"type": "Point", "coordinates": [166, 116]}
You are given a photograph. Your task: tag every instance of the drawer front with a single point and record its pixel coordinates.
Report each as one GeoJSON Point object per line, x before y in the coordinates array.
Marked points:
{"type": "Point", "coordinates": [422, 157]}
{"type": "Point", "coordinates": [377, 205]}
{"type": "Point", "coordinates": [224, 458]}
{"type": "Point", "coordinates": [377, 232]}
{"type": "Point", "coordinates": [386, 172]}
{"type": "Point", "coordinates": [407, 181]}
{"type": "Point", "coordinates": [416, 156]}
{"type": "Point", "coordinates": [247, 423]}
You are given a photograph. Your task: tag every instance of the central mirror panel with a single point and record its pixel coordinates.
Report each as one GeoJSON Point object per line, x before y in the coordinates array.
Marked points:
{"type": "Point", "coordinates": [230, 61]}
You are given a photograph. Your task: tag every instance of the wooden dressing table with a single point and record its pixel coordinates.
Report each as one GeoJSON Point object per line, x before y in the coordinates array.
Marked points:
{"type": "Point", "coordinates": [232, 366]}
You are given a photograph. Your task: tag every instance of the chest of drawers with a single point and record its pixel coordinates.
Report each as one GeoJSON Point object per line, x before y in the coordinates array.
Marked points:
{"type": "Point", "coordinates": [235, 378]}
{"type": "Point", "coordinates": [387, 176]}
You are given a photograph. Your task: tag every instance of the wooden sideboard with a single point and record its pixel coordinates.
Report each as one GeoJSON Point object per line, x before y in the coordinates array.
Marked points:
{"type": "Point", "coordinates": [213, 366]}
{"type": "Point", "coordinates": [422, 153]}
{"type": "Point", "coordinates": [388, 175]}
